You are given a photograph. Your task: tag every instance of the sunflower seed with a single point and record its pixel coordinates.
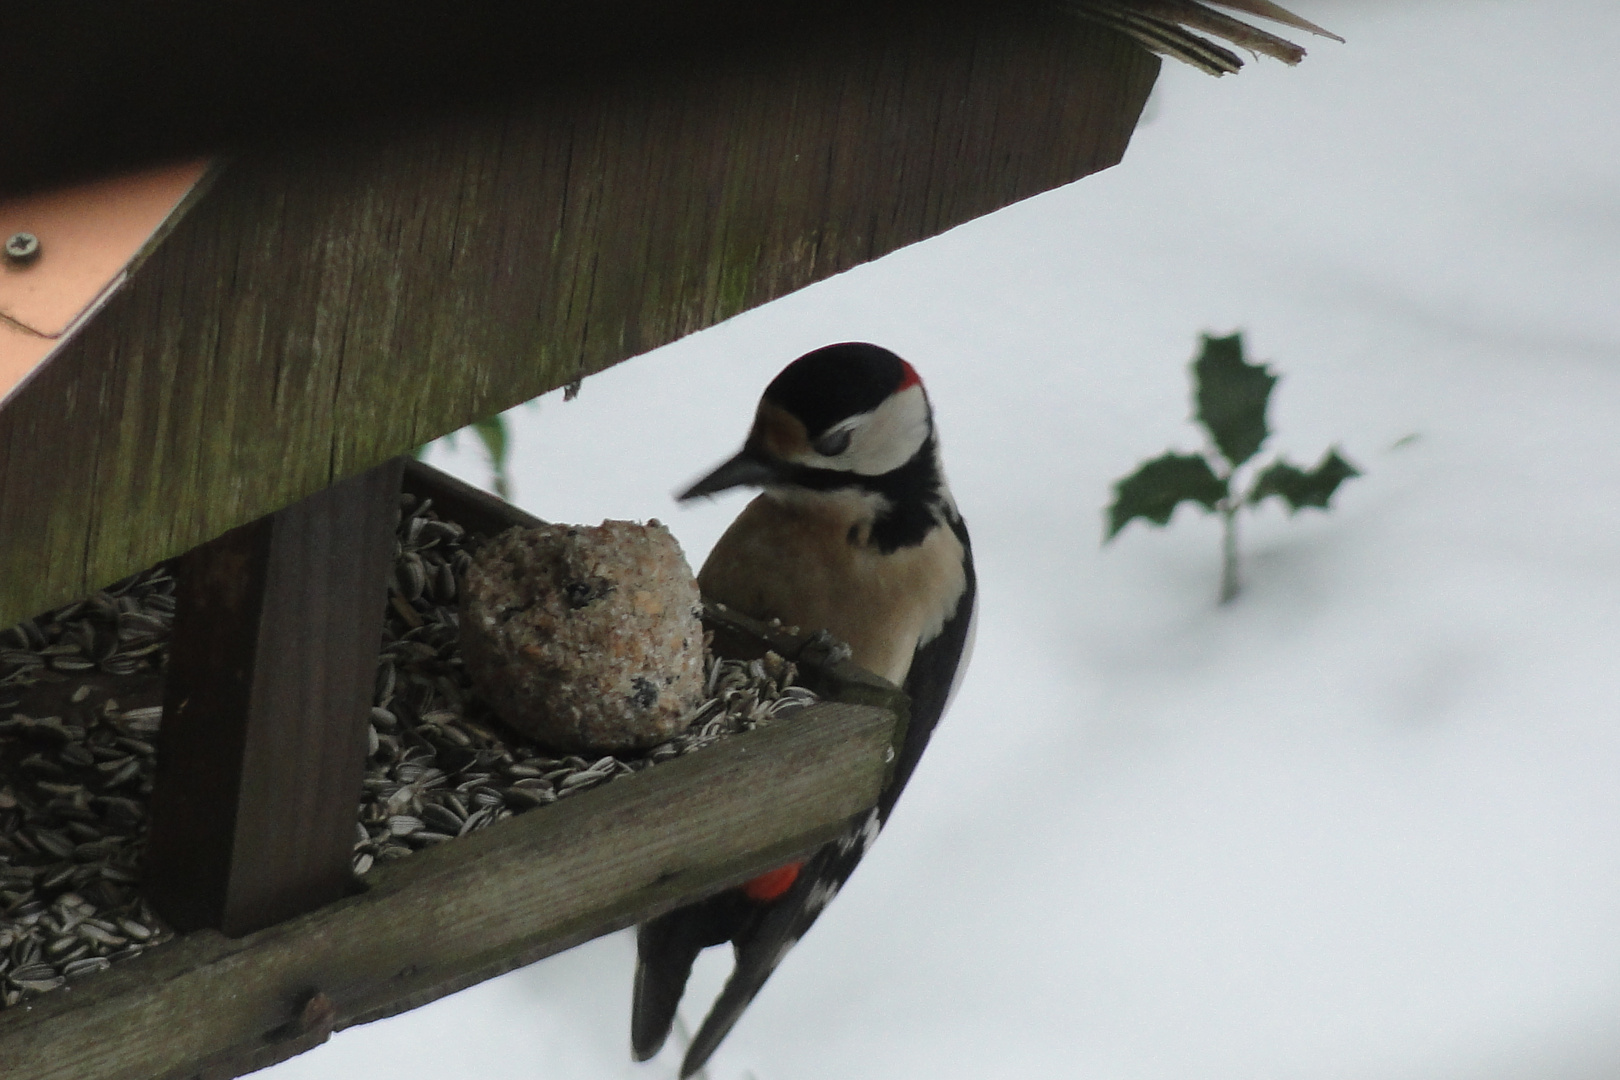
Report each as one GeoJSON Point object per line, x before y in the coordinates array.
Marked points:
{"type": "Point", "coordinates": [410, 576]}
{"type": "Point", "coordinates": [479, 818]}
{"type": "Point", "coordinates": [143, 623]}
{"type": "Point", "coordinates": [404, 825]}
{"type": "Point", "coordinates": [61, 945]}
{"type": "Point", "coordinates": [386, 677]}
{"type": "Point", "coordinates": [92, 933]}
{"type": "Point", "coordinates": [151, 649]}
{"type": "Point", "coordinates": [127, 771]}
{"type": "Point", "coordinates": [143, 721]}
{"type": "Point", "coordinates": [134, 930]}
{"type": "Point", "coordinates": [36, 977]}
{"type": "Point", "coordinates": [441, 818]}
{"type": "Point", "coordinates": [86, 966]}
{"type": "Point", "coordinates": [579, 781]}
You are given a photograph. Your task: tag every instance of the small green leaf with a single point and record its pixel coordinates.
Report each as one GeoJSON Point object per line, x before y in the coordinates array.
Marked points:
{"type": "Point", "coordinates": [1159, 486]}
{"type": "Point", "coordinates": [1230, 395]}
{"type": "Point", "coordinates": [492, 431]}
{"type": "Point", "coordinates": [1301, 489]}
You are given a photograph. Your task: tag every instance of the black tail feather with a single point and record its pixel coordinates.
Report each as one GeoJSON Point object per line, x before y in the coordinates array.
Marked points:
{"type": "Point", "coordinates": [728, 1008]}
{"type": "Point", "coordinates": [761, 947]}
{"type": "Point", "coordinates": [665, 950]}
{"type": "Point", "coordinates": [663, 963]}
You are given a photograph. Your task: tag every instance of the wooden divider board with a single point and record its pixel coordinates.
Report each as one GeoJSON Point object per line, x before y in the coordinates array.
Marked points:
{"type": "Point", "coordinates": [270, 677]}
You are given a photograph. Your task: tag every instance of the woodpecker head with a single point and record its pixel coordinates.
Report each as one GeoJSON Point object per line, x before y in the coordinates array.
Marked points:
{"type": "Point", "coordinates": [851, 424]}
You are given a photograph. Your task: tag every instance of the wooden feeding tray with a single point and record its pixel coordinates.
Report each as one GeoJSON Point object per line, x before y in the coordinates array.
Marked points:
{"type": "Point", "coordinates": [452, 914]}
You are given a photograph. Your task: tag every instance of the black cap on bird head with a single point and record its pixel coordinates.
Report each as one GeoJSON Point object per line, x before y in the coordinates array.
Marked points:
{"type": "Point", "coordinates": [810, 413]}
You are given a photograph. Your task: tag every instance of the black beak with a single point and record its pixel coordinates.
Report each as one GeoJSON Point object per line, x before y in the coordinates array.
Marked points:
{"type": "Point", "coordinates": [744, 470]}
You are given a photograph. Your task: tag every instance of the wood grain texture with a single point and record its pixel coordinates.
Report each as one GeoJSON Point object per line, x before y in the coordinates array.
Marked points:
{"type": "Point", "coordinates": [329, 304]}
{"type": "Point", "coordinates": [92, 87]}
{"type": "Point", "coordinates": [452, 915]}
{"type": "Point", "coordinates": [270, 676]}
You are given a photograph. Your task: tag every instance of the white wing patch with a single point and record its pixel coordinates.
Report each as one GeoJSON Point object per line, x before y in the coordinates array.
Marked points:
{"type": "Point", "coordinates": [869, 832]}
{"type": "Point", "coordinates": [821, 894]}
{"type": "Point", "coordinates": [967, 654]}
{"type": "Point", "coordinates": [864, 837]}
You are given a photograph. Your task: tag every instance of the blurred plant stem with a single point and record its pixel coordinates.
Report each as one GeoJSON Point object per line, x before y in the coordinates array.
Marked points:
{"type": "Point", "coordinates": [492, 433]}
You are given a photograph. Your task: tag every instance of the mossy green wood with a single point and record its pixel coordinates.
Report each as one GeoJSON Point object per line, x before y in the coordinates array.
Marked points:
{"type": "Point", "coordinates": [325, 306]}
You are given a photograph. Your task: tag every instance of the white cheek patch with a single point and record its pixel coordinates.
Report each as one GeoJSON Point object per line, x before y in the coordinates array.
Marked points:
{"type": "Point", "coordinates": [879, 441]}
{"type": "Point", "coordinates": [890, 435]}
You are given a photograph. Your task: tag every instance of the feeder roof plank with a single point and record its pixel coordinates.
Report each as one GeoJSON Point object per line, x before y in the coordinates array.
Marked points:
{"type": "Point", "coordinates": [91, 87]}
{"type": "Point", "coordinates": [328, 303]}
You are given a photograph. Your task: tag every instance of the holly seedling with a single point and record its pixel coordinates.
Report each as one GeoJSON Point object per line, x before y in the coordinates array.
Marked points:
{"type": "Point", "coordinates": [1230, 396]}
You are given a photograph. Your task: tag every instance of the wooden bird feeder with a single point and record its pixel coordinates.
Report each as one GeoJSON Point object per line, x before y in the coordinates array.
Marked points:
{"type": "Point", "coordinates": [278, 246]}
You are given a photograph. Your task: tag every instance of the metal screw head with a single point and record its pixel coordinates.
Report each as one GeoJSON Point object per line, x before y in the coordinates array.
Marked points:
{"type": "Point", "coordinates": [22, 247]}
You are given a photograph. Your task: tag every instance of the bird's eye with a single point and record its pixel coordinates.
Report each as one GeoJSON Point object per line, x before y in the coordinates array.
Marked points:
{"type": "Point", "coordinates": [833, 443]}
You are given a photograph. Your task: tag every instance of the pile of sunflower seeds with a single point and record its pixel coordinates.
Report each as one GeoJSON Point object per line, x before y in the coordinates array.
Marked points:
{"type": "Point", "coordinates": [75, 778]}
{"type": "Point", "coordinates": [74, 783]}
{"type": "Point", "coordinates": [441, 765]}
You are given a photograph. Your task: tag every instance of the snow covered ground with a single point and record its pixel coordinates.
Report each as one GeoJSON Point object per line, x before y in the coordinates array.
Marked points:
{"type": "Point", "coordinates": [1362, 824]}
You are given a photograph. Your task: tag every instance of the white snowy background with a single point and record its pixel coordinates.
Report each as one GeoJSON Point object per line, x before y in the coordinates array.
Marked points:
{"type": "Point", "coordinates": [1362, 824]}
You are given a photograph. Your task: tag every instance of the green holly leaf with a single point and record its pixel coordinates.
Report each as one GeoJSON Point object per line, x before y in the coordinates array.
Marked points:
{"type": "Point", "coordinates": [1159, 486]}
{"type": "Point", "coordinates": [1230, 395]}
{"type": "Point", "coordinates": [1301, 489]}
{"type": "Point", "coordinates": [491, 431]}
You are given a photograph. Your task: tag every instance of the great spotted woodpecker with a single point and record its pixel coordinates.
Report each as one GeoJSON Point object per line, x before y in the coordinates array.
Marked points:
{"type": "Point", "coordinates": [857, 534]}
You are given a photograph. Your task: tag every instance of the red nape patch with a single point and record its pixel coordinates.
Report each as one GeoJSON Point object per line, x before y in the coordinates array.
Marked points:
{"type": "Point", "coordinates": [909, 379]}
{"type": "Point", "coordinates": [772, 883]}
